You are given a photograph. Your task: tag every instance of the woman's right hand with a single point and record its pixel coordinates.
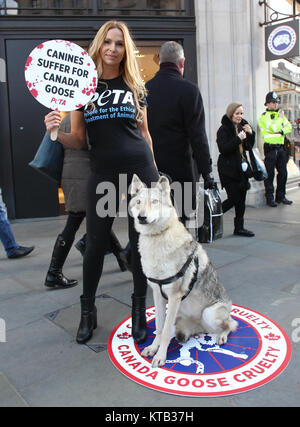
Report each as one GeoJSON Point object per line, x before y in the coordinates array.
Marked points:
{"type": "Point", "coordinates": [242, 135]}
{"type": "Point", "coordinates": [52, 121]}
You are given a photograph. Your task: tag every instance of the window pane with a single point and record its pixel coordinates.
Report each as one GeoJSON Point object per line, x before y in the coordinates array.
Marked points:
{"type": "Point", "coordinates": [95, 7]}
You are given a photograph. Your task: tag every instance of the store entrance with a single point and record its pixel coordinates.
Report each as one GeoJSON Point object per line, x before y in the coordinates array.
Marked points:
{"type": "Point", "coordinates": [148, 58]}
{"type": "Point", "coordinates": [35, 194]}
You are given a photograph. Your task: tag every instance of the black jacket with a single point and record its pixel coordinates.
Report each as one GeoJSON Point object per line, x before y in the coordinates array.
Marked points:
{"type": "Point", "coordinates": [229, 161]}
{"type": "Point", "coordinates": [177, 125]}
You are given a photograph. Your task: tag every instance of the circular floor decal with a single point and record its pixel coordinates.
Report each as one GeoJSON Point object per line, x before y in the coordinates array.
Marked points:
{"type": "Point", "coordinates": [255, 353]}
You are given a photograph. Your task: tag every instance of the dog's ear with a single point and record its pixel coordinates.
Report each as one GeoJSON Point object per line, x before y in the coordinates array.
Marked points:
{"type": "Point", "coordinates": [136, 185]}
{"type": "Point", "coordinates": [163, 184]}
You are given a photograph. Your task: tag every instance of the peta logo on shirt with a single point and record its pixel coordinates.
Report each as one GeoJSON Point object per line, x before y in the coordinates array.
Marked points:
{"type": "Point", "coordinates": [115, 96]}
{"type": "Point", "coordinates": [112, 104]}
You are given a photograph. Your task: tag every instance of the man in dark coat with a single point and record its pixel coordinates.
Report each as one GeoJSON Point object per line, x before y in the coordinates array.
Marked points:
{"type": "Point", "coordinates": [177, 125]}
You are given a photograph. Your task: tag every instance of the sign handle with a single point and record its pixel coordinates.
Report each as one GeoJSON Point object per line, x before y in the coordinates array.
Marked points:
{"type": "Point", "coordinates": [54, 133]}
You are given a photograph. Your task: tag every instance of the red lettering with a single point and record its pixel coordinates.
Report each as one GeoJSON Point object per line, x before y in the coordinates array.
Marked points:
{"type": "Point", "coordinates": [129, 358]}
{"type": "Point", "coordinates": [223, 382]}
{"type": "Point", "coordinates": [211, 383]}
{"type": "Point", "coordinates": [258, 370]}
{"type": "Point", "coordinates": [124, 353]}
{"type": "Point", "coordinates": [249, 374]}
{"type": "Point", "coordinates": [272, 349]}
{"type": "Point", "coordinates": [143, 370]}
{"type": "Point", "coordinates": [239, 380]}
{"type": "Point", "coordinates": [198, 383]}
{"type": "Point", "coordinates": [270, 361]}
{"type": "Point", "coordinates": [244, 313]}
{"type": "Point", "coordinates": [123, 345]}
{"type": "Point", "coordinates": [170, 380]}
{"type": "Point", "coordinates": [135, 365]}
{"type": "Point", "coordinates": [183, 382]}
{"type": "Point", "coordinates": [153, 375]}
{"type": "Point", "coordinates": [264, 364]}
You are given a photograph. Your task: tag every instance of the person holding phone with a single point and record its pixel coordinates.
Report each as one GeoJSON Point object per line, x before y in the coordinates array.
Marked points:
{"type": "Point", "coordinates": [234, 137]}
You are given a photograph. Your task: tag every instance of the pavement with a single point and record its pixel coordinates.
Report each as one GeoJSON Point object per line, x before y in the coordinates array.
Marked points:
{"type": "Point", "coordinates": [42, 365]}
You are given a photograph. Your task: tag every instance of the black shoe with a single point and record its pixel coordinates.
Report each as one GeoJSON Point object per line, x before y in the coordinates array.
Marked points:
{"type": "Point", "coordinates": [244, 232]}
{"type": "Point", "coordinates": [272, 203]}
{"type": "Point", "coordinates": [139, 329]}
{"type": "Point", "coordinates": [284, 200]}
{"type": "Point", "coordinates": [55, 277]}
{"type": "Point", "coordinates": [239, 229]}
{"type": "Point", "coordinates": [21, 251]}
{"type": "Point", "coordinates": [88, 321]}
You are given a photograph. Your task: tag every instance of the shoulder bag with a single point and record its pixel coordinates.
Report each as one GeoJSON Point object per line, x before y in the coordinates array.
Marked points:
{"type": "Point", "coordinates": [49, 158]}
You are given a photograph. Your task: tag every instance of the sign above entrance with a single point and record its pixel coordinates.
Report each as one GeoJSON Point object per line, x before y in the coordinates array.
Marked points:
{"type": "Point", "coordinates": [282, 41]}
{"type": "Point", "coordinates": [61, 75]}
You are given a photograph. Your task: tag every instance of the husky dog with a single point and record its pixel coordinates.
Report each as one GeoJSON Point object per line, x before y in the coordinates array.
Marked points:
{"type": "Point", "coordinates": [177, 269]}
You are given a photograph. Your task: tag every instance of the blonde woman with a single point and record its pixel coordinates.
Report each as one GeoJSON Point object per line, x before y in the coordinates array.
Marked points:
{"type": "Point", "coordinates": [116, 121]}
{"type": "Point", "coordinates": [234, 138]}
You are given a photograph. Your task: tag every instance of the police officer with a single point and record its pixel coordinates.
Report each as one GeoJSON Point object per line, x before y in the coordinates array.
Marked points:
{"type": "Point", "coordinates": [274, 126]}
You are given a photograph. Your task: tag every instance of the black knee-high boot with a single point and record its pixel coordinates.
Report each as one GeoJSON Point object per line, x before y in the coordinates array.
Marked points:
{"type": "Point", "coordinates": [115, 247]}
{"type": "Point", "coordinates": [88, 321]}
{"type": "Point", "coordinates": [118, 252]}
{"type": "Point", "coordinates": [139, 328]}
{"type": "Point", "coordinates": [55, 277]}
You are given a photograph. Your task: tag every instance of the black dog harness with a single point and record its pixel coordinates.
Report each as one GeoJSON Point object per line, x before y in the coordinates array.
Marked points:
{"type": "Point", "coordinates": [180, 274]}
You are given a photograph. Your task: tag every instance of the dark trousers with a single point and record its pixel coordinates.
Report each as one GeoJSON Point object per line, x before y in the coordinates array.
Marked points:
{"type": "Point", "coordinates": [236, 196]}
{"type": "Point", "coordinates": [99, 228]}
{"type": "Point", "coordinates": [73, 223]}
{"type": "Point", "coordinates": [275, 158]}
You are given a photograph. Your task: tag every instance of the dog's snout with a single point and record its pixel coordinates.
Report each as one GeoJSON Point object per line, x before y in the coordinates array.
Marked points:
{"type": "Point", "coordinates": [142, 219]}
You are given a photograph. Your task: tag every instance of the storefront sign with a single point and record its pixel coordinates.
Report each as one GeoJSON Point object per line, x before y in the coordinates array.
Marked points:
{"type": "Point", "coordinates": [61, 75]}
{"type": "Point", "coordinates": [257, 352]}
{"type": "Point", "coordinates": [282, 41]}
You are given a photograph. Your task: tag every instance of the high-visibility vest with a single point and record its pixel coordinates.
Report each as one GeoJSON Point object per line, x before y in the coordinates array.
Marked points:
{"type": "Point", "coordinates": [271, 125]}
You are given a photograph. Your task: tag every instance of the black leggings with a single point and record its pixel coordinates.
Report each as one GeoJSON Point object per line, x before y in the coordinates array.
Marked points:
{"type": "Point", "coordinates": [99, 227]}
{"type": "Point", "coordinates": [236, 197]}
{"type": "Point", "coordinates": [73, 223]}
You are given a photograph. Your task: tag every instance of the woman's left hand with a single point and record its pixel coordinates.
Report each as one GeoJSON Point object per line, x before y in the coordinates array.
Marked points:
{"type": "Point", "coordinates": [247, 128]}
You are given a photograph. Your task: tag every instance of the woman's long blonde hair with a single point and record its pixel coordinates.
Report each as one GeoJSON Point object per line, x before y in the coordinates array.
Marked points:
{"type": "Point", "coordinates": [129, 69]}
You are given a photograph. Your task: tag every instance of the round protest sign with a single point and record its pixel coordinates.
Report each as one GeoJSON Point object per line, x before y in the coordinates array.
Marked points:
{"type": "Point", "coordinates": [61, 75]}
{"type": "Point", "coordinates": [256, 353]}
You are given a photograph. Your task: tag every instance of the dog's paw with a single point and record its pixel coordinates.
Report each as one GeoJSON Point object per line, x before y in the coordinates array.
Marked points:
{"type": "Point", "coordinates": [149, 351]}
{"type": "Point", "coordinates": [158, 360]}
{"type": "Point", "coordinates": [181, 337]}
{"type": "Point", "coordinates": [222, 338]}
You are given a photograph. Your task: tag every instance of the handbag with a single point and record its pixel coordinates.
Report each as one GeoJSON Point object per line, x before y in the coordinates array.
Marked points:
{"type": "Point", "coordinates": [212, 227]}
{"type": "Point", "coordinates": [257, 165]}
{"type": "Point", "coordinates": [49, 158]}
